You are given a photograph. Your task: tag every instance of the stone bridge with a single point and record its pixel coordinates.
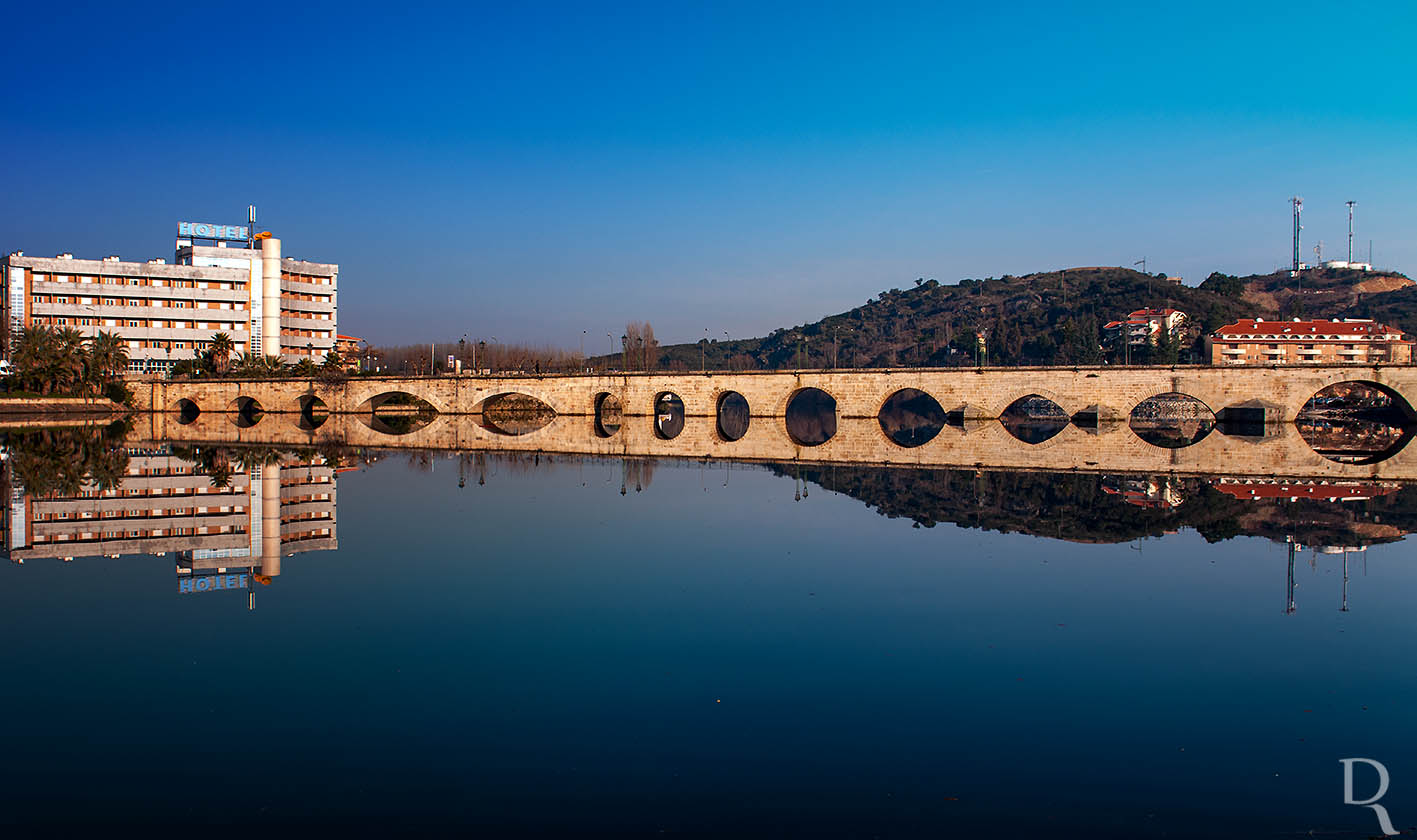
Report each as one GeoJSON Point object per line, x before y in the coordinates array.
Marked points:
{"type": "Point", "coordinates": [978, 396]}
{"type": "Point", "coordinates": [984, 393]}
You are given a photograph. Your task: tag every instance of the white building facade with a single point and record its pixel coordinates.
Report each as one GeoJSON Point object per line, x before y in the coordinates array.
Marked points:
{"type": "Point", "coordinates": [267, 304]}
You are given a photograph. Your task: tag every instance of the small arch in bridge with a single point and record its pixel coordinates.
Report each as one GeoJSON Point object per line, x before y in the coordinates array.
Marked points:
{"type": "Point", "coordinates": [1098, 419]}
{"type": "Point", "coordinates": [609, 414]}
{"type": "Point", "coordinates": [313, 412]}
{"type": "Point", "coordinates": [514, 414]}
{"type": "Point", "coordinates": [1356, 422]}
{"type": "Point", "coordinates": [1172, 420]}
{"type": "Point", "coordinates": [248, 412]}
{"type": "Point", "coordinates": [733, 416]}
{"type": "Point", "coordinates": [811, 417]}
{"type": "Point", "coordinates": [1034, 418]}
{"type": "Point", "coordinates": [396, 402]}
{"type": "Point", "coordinates": [967, 417]}
{"type": "Point", "coordinates": [910, 417]}
{"type": "Point", "coordinates": [396, 413]}
{"type": "Point", "coordinates": [668, 415]}
{"type": "Point", "coordinates": [187, 411]}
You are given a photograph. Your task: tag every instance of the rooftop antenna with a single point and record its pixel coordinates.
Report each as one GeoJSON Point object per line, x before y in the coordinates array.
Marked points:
{"type": "Point", "coordinates": [1298, 212]}
{"type": "Point", "coordinates": [1350, 232]}
{"type": "Point", "coordinates": [1289, 606]}
{"type": "Point", "coordinates": [251, 226]}
{"type": "Point", "coordinates": [1319, 253]}
{"type": "Point", "coordinates": [1344, 606]}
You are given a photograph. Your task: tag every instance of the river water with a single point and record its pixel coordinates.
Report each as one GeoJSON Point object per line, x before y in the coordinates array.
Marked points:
{"type": "Point", "coordinates": [563, 646]}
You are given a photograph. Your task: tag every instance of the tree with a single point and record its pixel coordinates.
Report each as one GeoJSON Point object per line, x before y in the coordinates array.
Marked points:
{"type": "Point", "coordinates": [221, 349]}
{"type": "Point", "coordinates": [108, 356]}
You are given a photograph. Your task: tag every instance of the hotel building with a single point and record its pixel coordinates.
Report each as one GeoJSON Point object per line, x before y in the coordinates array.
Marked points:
{"type": "Point", "coordinates": [1255, 341]}
{"type": "Point", "coordinates": [165, 506]}
{"type": "Point", "coordinates": [166, 312]}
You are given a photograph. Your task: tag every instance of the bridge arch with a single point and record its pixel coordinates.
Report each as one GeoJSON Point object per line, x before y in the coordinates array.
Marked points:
{"type": "Point", "coordinates": [1399, 400]}
{"type": "Point", "coordinates": [187, 411]}
{"type": "Point", "coordinates": [1172, 420]}
{"type": "Point", "coordinates": [732, 416]}
{"type": "Point", "coordinates": [910, 417]}
{"type": "Point", "coordinates": [668, 415]}
{"type": "Point", "coordinates": [810, 417]}
{"type": "Point", "coordinates": [608, 414]}
{"type": "Point", "coordinates": [513, 413]}
{"type": "Point", "coordinates": [246, 411]}
{"type": "Point", "coordinates": [313, 412]}
{"type": "Point", "coordinates": [1035, 419]}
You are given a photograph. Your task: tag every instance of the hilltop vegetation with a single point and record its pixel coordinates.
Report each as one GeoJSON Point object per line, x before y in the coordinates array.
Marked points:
{"type": "Point", "coordinates": [1053, 317]}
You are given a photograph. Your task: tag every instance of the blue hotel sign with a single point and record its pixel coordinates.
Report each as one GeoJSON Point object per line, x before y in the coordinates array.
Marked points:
{"type": "Point", "coordinates": [211, 583]}
{"type": "Point", "coordinates": [201, 230]}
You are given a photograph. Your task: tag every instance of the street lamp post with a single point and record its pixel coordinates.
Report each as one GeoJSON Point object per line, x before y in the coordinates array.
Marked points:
{"type": "Point", "coordinates": [644, 357]}
{"type": "Point", "coordinates": [703, 353]}
{"type": "Point", "coordinates": [462, 346]}
{"type": "Point", "coordinates": [582, 358]}
{"type": "Point", "coordinates": [483, 345]}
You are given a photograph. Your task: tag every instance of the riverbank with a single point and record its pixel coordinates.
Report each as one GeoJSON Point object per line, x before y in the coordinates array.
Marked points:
{"type": "Point", "coordinates": [23, 408]}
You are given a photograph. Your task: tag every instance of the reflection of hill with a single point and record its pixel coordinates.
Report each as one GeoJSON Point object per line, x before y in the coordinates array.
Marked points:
{"type": "Point", "coordinates": [1076, 507]}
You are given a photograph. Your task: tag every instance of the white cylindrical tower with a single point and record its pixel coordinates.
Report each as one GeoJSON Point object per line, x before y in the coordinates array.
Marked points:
{"type": "Point", "coordinates": [270, 520]}
{"type": "Point", "coordinates": [270, 297]}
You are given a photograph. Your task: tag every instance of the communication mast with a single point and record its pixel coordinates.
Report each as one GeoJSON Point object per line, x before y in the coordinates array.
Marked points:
{"type": "Point", "coordinates": [1350, 231]}
{"type": "Point", "coordinates": [1298, 211]}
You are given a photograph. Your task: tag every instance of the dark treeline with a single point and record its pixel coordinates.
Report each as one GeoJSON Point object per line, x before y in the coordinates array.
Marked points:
{"type": "Point", "coordinates": [1078, 507]}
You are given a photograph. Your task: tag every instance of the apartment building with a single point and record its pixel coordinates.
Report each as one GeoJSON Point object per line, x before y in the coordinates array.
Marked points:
{"type": "Point", "coordinates": [1144, 326]}
{"type": "Point", "coordinates": [165, 505]}
{"type": "Point", "coordinates": [166, 312]}
{"type": "Point", "coordinates": [1253, 341]}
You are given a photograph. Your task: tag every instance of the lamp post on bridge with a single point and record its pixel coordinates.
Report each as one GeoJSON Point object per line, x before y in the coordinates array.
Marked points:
{"type": "Point", "coordinates": [462, 346]}
{"type": "Point", "coordinates": [703, 353]}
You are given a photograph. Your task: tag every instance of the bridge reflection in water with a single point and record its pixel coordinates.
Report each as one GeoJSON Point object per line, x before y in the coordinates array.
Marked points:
{"type": "Point", "coordinates": [240, 498]}
{"type": "Point", "coordinates": [1274, 449]}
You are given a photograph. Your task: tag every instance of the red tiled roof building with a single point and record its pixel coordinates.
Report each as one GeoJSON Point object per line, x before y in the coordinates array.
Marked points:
{"type": "Point", "coordinates": [1255, 341]}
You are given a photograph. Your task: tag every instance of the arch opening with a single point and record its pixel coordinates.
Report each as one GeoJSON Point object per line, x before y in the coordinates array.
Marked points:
{"type": "Point", "coordinates": [609, 414]}
{"type": "Point", "coordinates": [313, 412]}
{"type": "Point", "coordinates": [514, 414]}
{"type": "Point", "coordinates": [247, 410]}
{"type": "Point", "coordinates": [1172, 420]}
{"type": "Point", "coordinates": [397, 413]}
{"type": "Point", "coordinates": [910, 417]}
{"type": "Point", "coordinates": [811, 417]}
{"type": "Point", "coordinates": [733, 416]}
{"type": "Point", "coordinates": [1356, 422]}
{"type": "Point", "coordinates": [187, 411]}
{"type": "Point", "coordinates": [668, 415]}
{"type": "Point", "coordinates": [1034, 419]}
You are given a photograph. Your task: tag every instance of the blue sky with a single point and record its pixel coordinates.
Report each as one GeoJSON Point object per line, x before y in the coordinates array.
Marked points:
{"type": "Point", "coordinates": [533, 170]}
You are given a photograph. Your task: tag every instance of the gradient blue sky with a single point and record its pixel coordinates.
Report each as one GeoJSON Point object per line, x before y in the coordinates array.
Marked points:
{"type": "Point", "coordinates": [533, 170]}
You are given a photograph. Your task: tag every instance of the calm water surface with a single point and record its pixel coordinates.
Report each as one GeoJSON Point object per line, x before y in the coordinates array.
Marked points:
{"type": "Point", "coordinates": [713, 653]}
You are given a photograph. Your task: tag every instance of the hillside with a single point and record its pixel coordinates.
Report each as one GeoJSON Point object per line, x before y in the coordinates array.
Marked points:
{"type": "Point", "coordinates": [1052, 317]}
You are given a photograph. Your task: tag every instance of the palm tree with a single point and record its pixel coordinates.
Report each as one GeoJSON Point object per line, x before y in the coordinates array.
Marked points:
{"type": "Point", "coordinates": [108, 356]}
{"type": "Point", "coordinates": [71, 362]}
{"type": "Point", "coordinates": [221, 349]}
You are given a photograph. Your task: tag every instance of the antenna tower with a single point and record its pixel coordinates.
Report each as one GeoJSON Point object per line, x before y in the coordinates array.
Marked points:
{"type": "Point", "coordinates": [1350, 231]}
{"type": "Point", "coordinates": [1298, 211]}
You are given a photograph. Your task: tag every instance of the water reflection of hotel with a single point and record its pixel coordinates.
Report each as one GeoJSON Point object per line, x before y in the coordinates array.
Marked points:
{"type": "Point", "coordinates": [222, 537]}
